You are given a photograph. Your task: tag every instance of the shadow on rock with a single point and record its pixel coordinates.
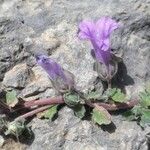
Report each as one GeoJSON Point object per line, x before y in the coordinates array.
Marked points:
{"type": "Point", "coordinates": [27, 138]}
{"type": "Point", "coordinates": [109, 128]}
{"type": "Point", "coordinates": [122, 78]}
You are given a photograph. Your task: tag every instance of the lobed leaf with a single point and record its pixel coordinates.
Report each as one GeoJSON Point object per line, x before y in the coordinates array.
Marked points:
{"type": "Point", "coordinates": [101, 116]}
{"type": "Point", "coordinates": [145, 118]}
{"type": "Point", "coordinates": [50, 113]}
{"type": "Point", "coordinates": [72, 99]}
{"type": "Point", "coordinates": [145, 99]}
{"type": "Point", "coordinates": [137, 110]}
{"type": "Point", "coordinates": [118, 96]}
{"type": "Point", "coordinates": [11, 98]}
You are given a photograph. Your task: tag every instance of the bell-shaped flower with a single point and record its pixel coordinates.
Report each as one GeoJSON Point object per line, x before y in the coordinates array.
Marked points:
{"type": "Point", "coordinates": [99, 34]}
{"type": "Point", "coordinates": [62, 80]}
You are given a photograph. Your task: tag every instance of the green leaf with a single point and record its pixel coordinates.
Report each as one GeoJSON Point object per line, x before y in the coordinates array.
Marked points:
{"type": "Point", "coordinates": [145, 99]}
{"type": "Point", "coordinates": [18, 128]}
{"type": "Point", "coordinates": [11, 98]}
{"type": "Point", "coordinates": [79, 111]}
{"type": "Point", "coordinates": [72, 99]}
{"type": "Point", "coordinates": [49, 114]}
{"type": "Point", "coordinates": [95, 95]}
{"type": "Point", "coordinates": [118, 96]}
{"type": "Point", "coordinates": [145, 118]}
{"type": "Point", "coordinates": [108, 94]}
{"type": "Point", "coordinates": [15, 128]}
{"type": "Point", "coordinates": [137, 110]}
{"type": "Point", "coordinates": [101, 116]}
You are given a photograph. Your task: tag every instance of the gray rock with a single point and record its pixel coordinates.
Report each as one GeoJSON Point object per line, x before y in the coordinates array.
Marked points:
{"type": "Point", "coordinates": [46, 127]}
{"type": "Point", "coordinates": [68, 132]}
{"type": "Point", "coordinates": [18, 77]}
{"type": "Point", "coordinates": [40, 83]}
{"type": "Point", "coordinates": [135, 45]}
{"type": "Point", "coordinates": [51, 25]}
{"type": "Point", "coordinates": [12, 35]}
{"type": "Point", "coordinates": [70, 55]}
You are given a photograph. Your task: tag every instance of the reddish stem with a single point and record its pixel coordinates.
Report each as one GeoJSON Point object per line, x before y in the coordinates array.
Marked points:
{"type": "Point", "coordinates": [48, 101]}
{"type": "Point", "coordinates": [113, 107]}
{"type": "Point", "coordinates": [31, 113]}
{"type": "Point", "coordinates": [60, 100]}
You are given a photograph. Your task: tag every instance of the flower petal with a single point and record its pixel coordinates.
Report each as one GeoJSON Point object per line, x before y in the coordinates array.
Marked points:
{"type": "Point", "coordinates": [86, 29]}
{"type": "Point", "coordinates": [105, 26]}
{"type": "Point", "coordinates": [105, 45]}
{"type": "Point", "coordinates": [50, 66]}
{"type": "Point", "coordinates": [99, 34]}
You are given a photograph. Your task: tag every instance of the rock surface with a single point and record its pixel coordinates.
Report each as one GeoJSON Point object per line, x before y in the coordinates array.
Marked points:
{"type": "Point", "coordinates": [18, 77]}
{"type": "Point", "coordinates": [39, 87]}
{"type": "Point", "coordinates": [68, 132]}
{"type": "Point", "coordinates": [28, 26]}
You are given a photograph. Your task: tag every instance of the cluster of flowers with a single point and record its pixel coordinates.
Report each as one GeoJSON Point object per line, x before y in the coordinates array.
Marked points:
{"type": "Point", "coordinates": [98, 33]}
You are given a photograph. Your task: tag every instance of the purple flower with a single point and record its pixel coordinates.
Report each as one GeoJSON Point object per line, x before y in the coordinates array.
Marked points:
{"type": "Point", "coordinates": [50, 66]}
{"type": "Point", "coordinates": [61, 79]}
{"type": "Point", "coordinates": [99, 33]}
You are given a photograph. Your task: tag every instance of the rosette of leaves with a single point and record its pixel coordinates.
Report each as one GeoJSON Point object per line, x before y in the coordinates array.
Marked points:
{"type": "Point", "coordinates": [75, 100]}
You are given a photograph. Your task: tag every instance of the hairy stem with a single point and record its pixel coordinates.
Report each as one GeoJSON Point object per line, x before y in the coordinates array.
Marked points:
{"type": "Point", "coordinates": [47, 101]}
